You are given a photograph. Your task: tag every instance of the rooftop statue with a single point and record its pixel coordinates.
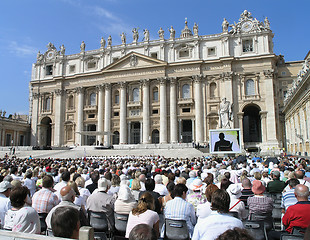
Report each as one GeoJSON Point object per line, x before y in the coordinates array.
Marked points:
{"type": "Point", "coordinates": [109, 41]}
{"type": "Point", "coordinates": [102, 42]}
{"type": "Point", "coordinates": [146, 35]}
{"type": "Point", "coordinates": [161, 33]}
{"type": "Point", "coordinates": [172, 33]}
{"type": "Point", "coordinates": [225, 25]}
{"type": "Point", "coordinates": [62, 50]}
{"type": "Point", "coordinates": [195, 29]}
{"type": "Point", "coordinates": [82, 46]}
{"type": "Point", "coordinates": [123, 38]}
{"type": "Point", "coordinates": [135, 35]}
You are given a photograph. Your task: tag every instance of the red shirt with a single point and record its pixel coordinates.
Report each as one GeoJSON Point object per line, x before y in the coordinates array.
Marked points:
{"type": "Point", "coordinates": [297, 215]}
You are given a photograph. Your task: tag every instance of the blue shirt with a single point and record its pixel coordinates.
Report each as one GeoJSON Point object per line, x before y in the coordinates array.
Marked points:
{"type": "Point", "coordinates": [180, 209]}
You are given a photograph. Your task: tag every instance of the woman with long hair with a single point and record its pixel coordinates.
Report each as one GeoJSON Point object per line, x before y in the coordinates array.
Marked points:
{"type": "Point", "coordinates": [144, 213]}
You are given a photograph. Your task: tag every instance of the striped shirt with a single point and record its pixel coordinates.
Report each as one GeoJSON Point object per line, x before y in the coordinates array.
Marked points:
{"type": "Point", "coordinates": [44, 200]}
{"type": "Point", "coordinates": [180, 209]}
{"type": "Point", "coordinates": [260, 205]}
{"type": "Point", "coordinates": [288, 199]}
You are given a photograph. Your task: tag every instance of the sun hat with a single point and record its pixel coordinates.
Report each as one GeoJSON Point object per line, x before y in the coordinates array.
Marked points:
{"type": "Point", "coordinates": [103, 184]}
{"type": "Point", "coordinates": [196, 185]}
{"type": "Point", "coordinates": [258, 187]}
{"type": "Point", "coordinates": [5, 185]}
{"type": "Point", "coordinates": [234, 189]}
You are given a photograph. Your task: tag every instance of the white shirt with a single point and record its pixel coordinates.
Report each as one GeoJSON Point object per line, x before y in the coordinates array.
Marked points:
{"type": "Point", "coordinates": [31, 185]}
{"type": "Point", "coordinates": [214, 225]}
{"type": "Point", "coordinates": [5, 205]}
{"type": "Point", "coordinates": [58, 187]}
{"type": "Point", "coordinates": [161, 189]}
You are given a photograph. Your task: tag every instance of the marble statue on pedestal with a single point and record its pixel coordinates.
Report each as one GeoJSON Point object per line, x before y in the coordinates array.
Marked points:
{"type": "Point", "coordinates": [225, 114]}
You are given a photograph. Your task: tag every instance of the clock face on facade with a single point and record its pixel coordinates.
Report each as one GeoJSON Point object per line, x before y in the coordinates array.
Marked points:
{"type": "Point", "coordinates": [50, 55]}
{"type": "Point", "coordinates": [246, 26]}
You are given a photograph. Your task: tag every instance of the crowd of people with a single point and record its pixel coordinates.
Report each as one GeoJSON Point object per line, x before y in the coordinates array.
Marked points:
{"type": "Point", "coordinates": [213, 195]}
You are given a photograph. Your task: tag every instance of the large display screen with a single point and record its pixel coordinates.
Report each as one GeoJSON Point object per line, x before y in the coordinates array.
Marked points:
{"type": "Point", "coordinates": [225, 141]}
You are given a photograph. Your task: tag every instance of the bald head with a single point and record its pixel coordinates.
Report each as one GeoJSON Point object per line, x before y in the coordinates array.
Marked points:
{"type": "Point", "coordinates": [302, 192]}
{"type": "Point", "coordinates": [299, 174]}
{"type": "Point", "coordinates": [67, 194]}
{"type": "Point", "coordinates": [246, 183]}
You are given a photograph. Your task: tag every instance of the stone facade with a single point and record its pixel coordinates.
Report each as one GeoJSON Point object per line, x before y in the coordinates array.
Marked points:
{"type": "Point", "coordinates": [166, 90]}
{"type": "Point", "coordinates": [14, 130]}
{"type": "Point", "coordinates": [296, 111]}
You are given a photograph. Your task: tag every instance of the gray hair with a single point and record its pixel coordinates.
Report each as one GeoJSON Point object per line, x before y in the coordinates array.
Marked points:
{"type": "Point", "coordinates": [302, 191]}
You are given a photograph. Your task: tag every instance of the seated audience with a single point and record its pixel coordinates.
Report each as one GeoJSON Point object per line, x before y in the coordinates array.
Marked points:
{"type": "Point", "coordinates": [143, 213]}
{"type": "Point", "coordinates": [204, 210]}
{"type": "Point", "coordinates": [125, 201]}
{"type": "Point", "coordinates": [142, 232]}
{"type": "Point", "coordinates": [21, 218]}
{"type": "Point", "coordinates": [66, 223]}
{"type": "Point", "coordinates": [218, 221]}
{"type": "Point", "coordinates": [179, 208]}
{"type": "Point", "coordinates": [236, 205]}
{"type": "Point", "coordinates": [5, 203]}
{"type": "Point", "coordinates": [246, 191]}
{"type": "Point", "coordinates": [275, 186]}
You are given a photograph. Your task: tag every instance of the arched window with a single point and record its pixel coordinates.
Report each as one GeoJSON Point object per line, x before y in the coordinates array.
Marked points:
{"type": "Point", "coordinates": [155, 94]}
{"type": "Point", "coordinates": [186, 91]}
{"type": "Point", "coordinates": [116, 98]}
{"type": "Point", "coordinates": [48, 104]}
{"type": "Point", "coordinates": [135, 95]}
{"type": "Point", "coordinates": [249, 88]}
{"type": "Point", "coordinates": [212, 90]}
{"type": "Point", "coordinates": [92, 99]}
{"type": "Point", "coordinates": [70, 102]}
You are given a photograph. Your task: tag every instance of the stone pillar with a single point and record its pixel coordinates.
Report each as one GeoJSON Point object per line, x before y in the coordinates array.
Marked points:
{"type": "Point", "coordinates": [173, 112]}
{"type": "Point", "coordinates": [80, 116]}
{"type": "Point", "coordinates": [3, 137]}
{"type": "Point", "coordinates": [100, 89]}
{"type": "Point", "coordinates": [128, 135]}
{"type": "Point", "coordinates": [180, 131]}
{"type": "Point", "coordinates": [263, 118]}
{"type": "Point", "coordinates": [163, 111]}
{"type": "Point", "coordinates": [240, 119]}
{"type": "Point", "coordinates": [123, 114]}
{"type": "Point", "coordinates": [58, 136]}
{"type": "Point", "coordinates": [270, 108]}
{"type": "Point", "coordinates": [34, 120]}
{"type": "Point", "coordinates": [107, 115]}
{"type": "Point", "coordinates": [198, 110]}
{"type": "Point", "coordinates": [146, 111]}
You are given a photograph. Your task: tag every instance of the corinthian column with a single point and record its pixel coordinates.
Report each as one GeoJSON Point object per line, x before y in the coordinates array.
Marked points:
{"type": "Point", "coordinates": [198, 109]}
{"type": "Point", "coordinates": [173, 112]}
{"type": "Point", "coordinates": [163, 111]}
{"type": "Point", "coordinates": [58, 118]}
{"type": "Point", "coordinates": [34, 121]}
{"type": "Point", "coordinates": [79, 124]}
{"type": "Point", "coordinates": [107, 115]}
{"type": "Point", "coordinates": [100, 89]}
{"type": "Point", "coordinates": [146, 111]}
{"type": "Point", "coordinates": [123, 115]}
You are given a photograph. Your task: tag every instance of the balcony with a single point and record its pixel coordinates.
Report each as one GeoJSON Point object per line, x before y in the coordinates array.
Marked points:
{"type": "Point", "coordinates": [90, 108]}
{"type": "Point", "coordinates": [185, 102]}
{"type": "Point", "coordinates": [134, 104]}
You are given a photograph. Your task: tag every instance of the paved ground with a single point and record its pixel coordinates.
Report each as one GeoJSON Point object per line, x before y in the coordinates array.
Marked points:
{"type": "Point", "coordinates": [180, 153]}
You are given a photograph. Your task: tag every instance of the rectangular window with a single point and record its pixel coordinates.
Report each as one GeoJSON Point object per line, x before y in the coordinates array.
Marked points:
{"type": "Point", "coordinates": [72, 69]}
{"type": "Point", "coordinates": [49, 70]}
{"type": "Point", "coordinates": [116, 114]}
{"type": "Point", "coordinates": [91, 65]}
{"type": "Point", "coordinates": [155, 111]}
{"type": "Point", "coordinates": [184, 53]}
{"type": "Point", "coordinates": [154, 55]}
{"type": "Point", "coordinates": [186, 110]}
{"type": "Point", "coordinates": [211, 51]}
{"type": "Point", "coordinates": [247, 45]}
{"type": "Point", "coordinates": [91, 116]}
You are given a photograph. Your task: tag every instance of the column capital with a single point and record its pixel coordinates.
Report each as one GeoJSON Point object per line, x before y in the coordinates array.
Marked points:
{"type": "Point", "coordinates": [269, 73]}
{"type": "Point", "coordinates": [240, 115]}
{"type": "Point", "coordinates": [144, 82]}
{"type": "Point", "coordinates": [35, 95]}
{"type": "Point", "coordinates": [107, 86]}
{"type": "Point", "coordinates": [263, 114]}
{"type": "Point", "coordinates": [227, 76]}
{"type": "Point", "coordinates": [122, 84]}
{"type": "Point", "coordinates": [59, 92]}
{"type": "Point", "coordinates": [100, 87]}
{"type": "Point", "coordinates": [162, 80]}
{"type": "Point", "coordinates": [197, 78]}
{"type": "Point", "coordinates": [80, 90]}
{"type": "Point", "coordinates": [173, 80]}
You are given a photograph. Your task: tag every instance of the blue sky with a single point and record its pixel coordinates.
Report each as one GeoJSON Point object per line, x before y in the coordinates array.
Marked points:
{"type": "Point", "coordinates": [26, 26]}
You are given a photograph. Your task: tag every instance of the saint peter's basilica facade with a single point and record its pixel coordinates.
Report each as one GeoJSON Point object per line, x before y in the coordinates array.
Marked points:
{"type": "Point", "coordinates": [163, 91]}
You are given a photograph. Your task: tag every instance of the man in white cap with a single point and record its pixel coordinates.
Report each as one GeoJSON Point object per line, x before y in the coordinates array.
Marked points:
{"type": "Point", "coordinates": [100, 201]}
{"type": "Point", "coordinates": [5, 203]}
